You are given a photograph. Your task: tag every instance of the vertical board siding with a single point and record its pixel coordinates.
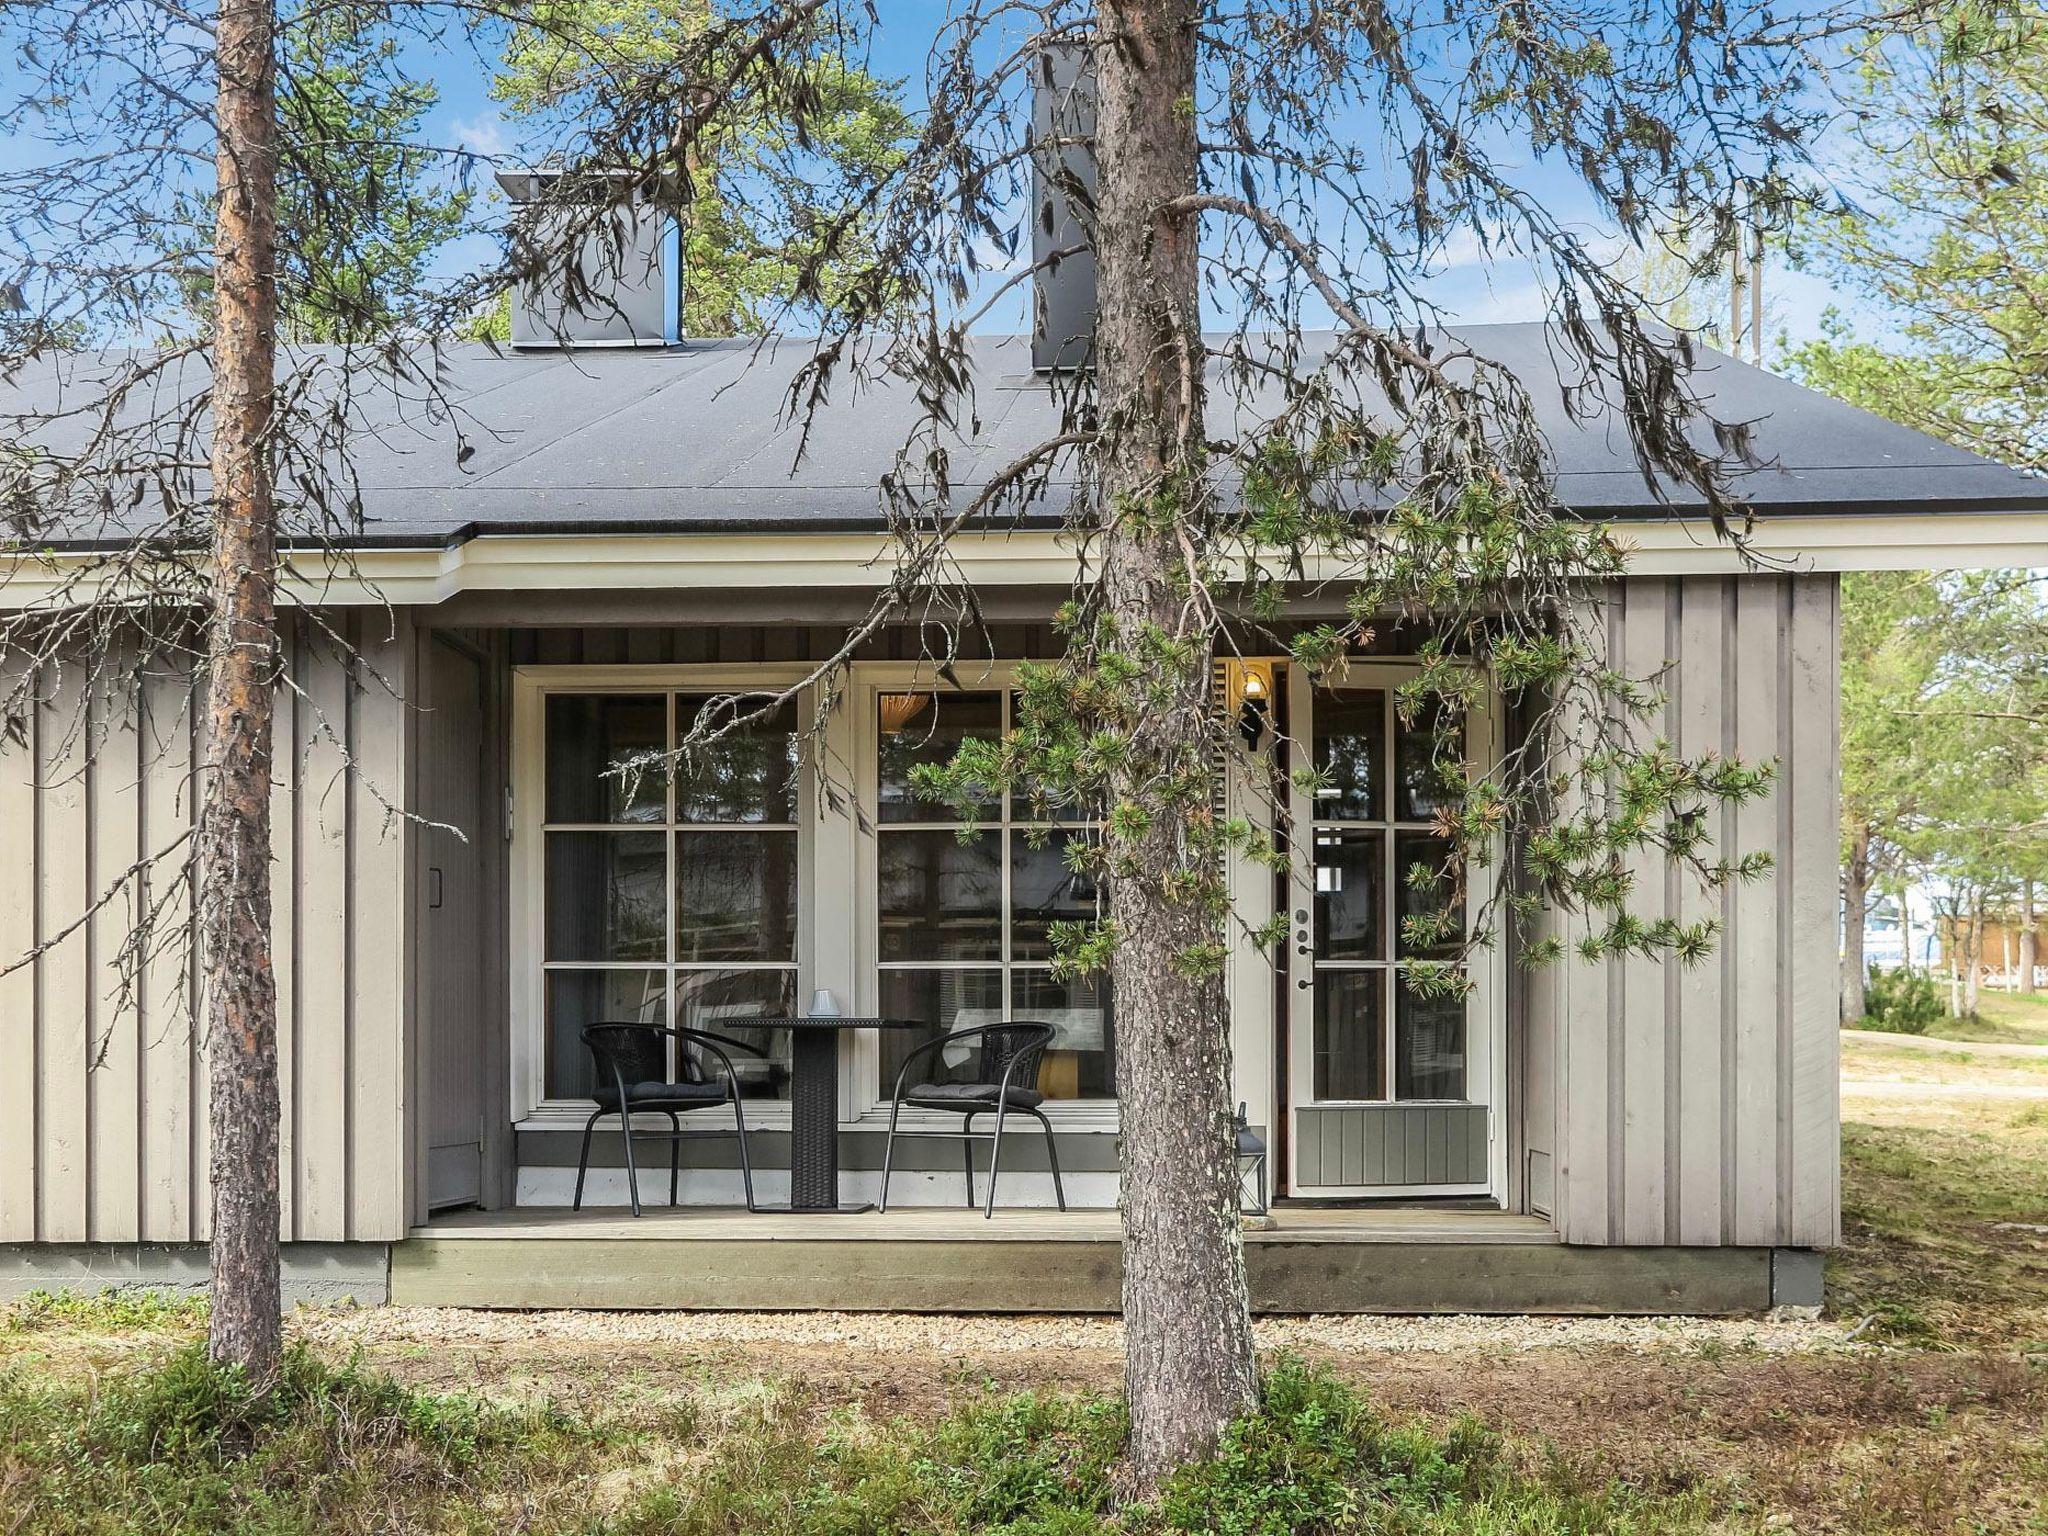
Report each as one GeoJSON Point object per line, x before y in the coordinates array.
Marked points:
{"type": "Point", "coordinates": [1360, 1146]}
{"type": "Point", "coordinates": [1699, 1104]}
{"type": "Point", "coordinates": [103, 1096]}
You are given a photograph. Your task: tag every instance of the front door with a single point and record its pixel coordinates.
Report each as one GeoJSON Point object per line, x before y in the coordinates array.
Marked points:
{"type": "Point", "coordinates": [451, 953]}
{"type": "Point", "coordinates": [1389, 1090]}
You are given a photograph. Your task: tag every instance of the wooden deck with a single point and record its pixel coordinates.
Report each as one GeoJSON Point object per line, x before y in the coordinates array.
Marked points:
{"type": "Point", "coordinates": [1301, 1259]}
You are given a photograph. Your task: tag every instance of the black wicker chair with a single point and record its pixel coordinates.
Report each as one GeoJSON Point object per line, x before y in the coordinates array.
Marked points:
{"type": "Point", "coordinates": [1004, 1080]}
{"type": "Point", "coordinates": [632, 1075]}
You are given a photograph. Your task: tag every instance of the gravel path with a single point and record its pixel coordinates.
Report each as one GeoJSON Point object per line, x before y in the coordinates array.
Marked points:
{"type": "Point", "coordinates": [1928, 1043]}
{"type": "Point", "coordinates": [1893, 1088]}
{"type": "Point", "coordinates": [958, 1337]}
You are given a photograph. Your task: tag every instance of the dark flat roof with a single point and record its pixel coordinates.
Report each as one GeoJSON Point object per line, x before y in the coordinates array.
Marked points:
{"type": "Point", "coordinates": [693, 439]}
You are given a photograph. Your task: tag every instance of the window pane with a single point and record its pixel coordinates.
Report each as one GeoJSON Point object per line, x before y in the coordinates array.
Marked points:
{"type": "Point", "coordinates": [1043, 890]}
{"type": "Point", "coordinates": [1429, 1045]}
{"type": "Point", "coordinates": [589, 734]}
{"type": "Point", "coordinates": [1081, 1061]}
{"type": "Point", "coordinates": [605, 896]}
{"type": "Point", "coordinates": [749, 775]}
{"type": "Point", "coordinates": [918, 728]}
{"type": "Point", "coordinates": [941, 899]}
{"type": "Point", "coordinates": [1350, 751]}
{"type": "Point", "coordinates": [722, 1002]}
{"type": "Point", "coordinates": [576, 999]}
{"type": "Point", "coordinates": [1418, 786]}
{"type": "Point", "coordinates": [944, 1001]}
{"type": "Point", "coordinates": [1350, 872]}
{"type": "Point", "coordinates": [1425, 901]}
{"type": "Point", "coordinates": [736, 895]}
{"type": "Point", "coordinates": [1350, 1039]}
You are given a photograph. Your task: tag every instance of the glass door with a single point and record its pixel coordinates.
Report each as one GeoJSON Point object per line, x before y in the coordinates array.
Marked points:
{"type": "Point", "coordinates": [1388, 1088]}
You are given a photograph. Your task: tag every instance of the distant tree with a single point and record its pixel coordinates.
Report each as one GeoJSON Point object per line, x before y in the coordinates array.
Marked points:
{"type": "Point", "coordinates": [754, 220]}
{"type": "Point", "coordinates": [1944, 232]}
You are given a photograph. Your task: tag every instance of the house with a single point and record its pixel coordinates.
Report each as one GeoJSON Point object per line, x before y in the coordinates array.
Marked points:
{"type": "Point", "coordinates": [629, 541]}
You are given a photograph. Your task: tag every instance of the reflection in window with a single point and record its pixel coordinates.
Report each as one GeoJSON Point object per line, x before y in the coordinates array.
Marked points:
{"type": "Point", "coordinates": [668, 903]}
{"type": "Point", "coordinates": [955, 952]}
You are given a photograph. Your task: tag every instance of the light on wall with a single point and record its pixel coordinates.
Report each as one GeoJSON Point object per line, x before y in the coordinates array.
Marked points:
{"type": "Point", "coordinates": [1254, 704]}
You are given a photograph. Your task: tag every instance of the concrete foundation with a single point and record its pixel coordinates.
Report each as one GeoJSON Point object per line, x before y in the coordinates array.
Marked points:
{"type": "Point", "coordinates": [314, 1274]}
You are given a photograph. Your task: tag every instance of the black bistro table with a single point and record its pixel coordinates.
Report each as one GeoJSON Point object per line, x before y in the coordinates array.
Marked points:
{"type": "Point", "coordinates": [814, 1106]}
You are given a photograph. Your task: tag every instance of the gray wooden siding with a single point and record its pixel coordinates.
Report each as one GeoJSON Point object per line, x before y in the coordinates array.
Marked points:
{"type": "Point", "coordinates": [1677, 1104]}
{"type": "Point", "coordinates": [1356, 1146]}
{"type": "Point", "coordinates": [103, 1101]}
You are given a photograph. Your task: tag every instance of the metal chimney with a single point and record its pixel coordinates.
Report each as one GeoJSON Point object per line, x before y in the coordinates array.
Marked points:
{"type": "Point", "coordinates": [627, 268]}
{"type": "Point", "coordinates": [1063, 207]}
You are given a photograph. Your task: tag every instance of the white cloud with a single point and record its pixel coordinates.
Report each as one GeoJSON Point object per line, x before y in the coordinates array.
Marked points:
{"type": "Point", "coordinates": [481, 135]}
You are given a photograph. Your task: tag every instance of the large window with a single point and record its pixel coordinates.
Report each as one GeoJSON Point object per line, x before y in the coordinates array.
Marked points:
{"type": "Point", "coordinates": [963, 918]}
{"type": "Point", "coordinates": [666, 899]}
{"type": "Point", "coordinates": [1375, 1036]}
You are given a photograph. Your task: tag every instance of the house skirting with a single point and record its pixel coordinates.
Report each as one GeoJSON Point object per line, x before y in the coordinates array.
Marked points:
{"type": "Point", "coordinates": [314, 1274]}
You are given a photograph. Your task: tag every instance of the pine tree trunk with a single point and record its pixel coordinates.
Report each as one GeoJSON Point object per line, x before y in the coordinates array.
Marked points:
{"type": "Point", "coordinates": [234, 847]}
{"type": "Point", "coordinates": [2030, 942]}
{"type": "Point", "coordinates": [1855, 910]}
{"type": "Point", "coordinates": [1973, 961]}
{"type": "Point", "coordinates": [1189, 1366]}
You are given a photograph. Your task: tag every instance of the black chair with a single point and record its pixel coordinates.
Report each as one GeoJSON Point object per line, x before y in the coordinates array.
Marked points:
{"type": "Point", "coordinates": [1004, 1079]}
{"type": "Point", "coordinates": [632, 1075]}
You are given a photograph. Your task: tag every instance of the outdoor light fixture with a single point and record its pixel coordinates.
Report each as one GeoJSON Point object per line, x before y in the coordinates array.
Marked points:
{"type": "Point", "coordinates": [1254, 707]}
{"type": "Point", "coordinates": [1251, 1168]}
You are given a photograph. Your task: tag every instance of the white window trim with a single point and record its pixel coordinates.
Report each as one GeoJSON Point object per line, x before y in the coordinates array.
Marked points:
{"type": "Point", "coordinates": [526, 984]}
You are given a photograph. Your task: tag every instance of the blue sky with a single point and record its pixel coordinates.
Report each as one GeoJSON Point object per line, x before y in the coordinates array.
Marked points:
{"type": "Point", "coordinates": [1469, 288]}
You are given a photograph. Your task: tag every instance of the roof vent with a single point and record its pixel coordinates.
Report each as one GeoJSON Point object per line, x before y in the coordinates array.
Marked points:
{"type": "Point", "coordinates": [627, 264]}
{"type": "Point", "coordinates": [1063, 208]}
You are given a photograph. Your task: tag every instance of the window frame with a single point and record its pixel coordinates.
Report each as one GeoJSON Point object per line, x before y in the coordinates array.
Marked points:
{"type": "Point", "coordinates": [525, 821]}
{"type": "Point", "coordinates": [869, 681]}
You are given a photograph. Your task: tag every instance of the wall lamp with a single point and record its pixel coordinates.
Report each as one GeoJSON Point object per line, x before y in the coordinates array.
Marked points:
{"type": "Point", "coordinates": [1254, 704]}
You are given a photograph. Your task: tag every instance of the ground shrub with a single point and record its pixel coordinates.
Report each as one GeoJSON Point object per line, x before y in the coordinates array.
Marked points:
{"type": "Point", "coordinates": [1901, 1002]}
{"type": "Point", "coordinates": [136, 1307]}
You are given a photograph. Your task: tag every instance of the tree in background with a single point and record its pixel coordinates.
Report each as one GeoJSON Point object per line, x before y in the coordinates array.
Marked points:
{"type": "Point", "coordinates": [742, 252]}
{"type": "Point", "coordinates": [1945, 232]}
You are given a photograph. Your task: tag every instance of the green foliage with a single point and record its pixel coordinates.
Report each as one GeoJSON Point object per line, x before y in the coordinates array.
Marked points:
{"type": "Point", "coordinates": [118, 1308]}
{"type": "Point", "coordinates": [1901, 1002]}
{"type": "Point", "coordinates": [180, 1447]}
{"type": "Point", "coordinates": [185, 1446]}
{"type": "Point", "coordinates": [743, 249]}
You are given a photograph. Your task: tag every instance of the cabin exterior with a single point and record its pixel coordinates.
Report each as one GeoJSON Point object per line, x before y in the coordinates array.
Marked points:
{"type": "Point", "coordinates": [460, 888]}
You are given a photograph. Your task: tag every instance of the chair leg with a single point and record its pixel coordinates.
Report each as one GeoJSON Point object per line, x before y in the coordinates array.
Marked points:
{"type": "Point", "coordinates": [995, 1152]}
{"type": "Point", "coordinates": [739, 1120]}
{"type": "Point", "coordinates": [889, 1152]}
{"type": "Point", "coordinates": [583, 1159]}
{"type": "Point", "coordinates": [1052, 1157]}
{"type": "Point", "coordinates": [967, 1155]}
{"type": "Point", "coordinates": [675, 1154]}
{"type": "Point", "coordinates": [632, 1168]}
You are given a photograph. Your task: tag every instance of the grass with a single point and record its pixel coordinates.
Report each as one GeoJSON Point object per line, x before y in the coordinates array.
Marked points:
{"type": "Point", "coordinates": [2003, 1018]}
{"type": "Point", "coordinates": [179, 1447]}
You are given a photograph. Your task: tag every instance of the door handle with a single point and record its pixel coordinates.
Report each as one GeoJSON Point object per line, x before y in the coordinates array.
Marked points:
{"type": "Point", "coordinates": [433, 886]}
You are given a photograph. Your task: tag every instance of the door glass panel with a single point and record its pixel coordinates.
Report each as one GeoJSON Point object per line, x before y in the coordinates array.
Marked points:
{"type": "Point", "coordinates": [1077, 1065]}
{"type": "Point", "coordinates": [915, 728]}
{"type": "Point", "coordinates": [589, 734]}
{"type": "Point", "coordinates": [940, 898]}
{"type": "Point", "coordinates": [1429, 1045]}
{"type": "Point", "coordinates": [736, 895]}
{"type": "Point", "coordinates": [1044, 891]}
{"type": "Point", "coordinates": [604, 896]}
{"type": "Point", "coordinates": [1421, 898]}
{"type": "Point", "coordinates": [1351, 755]}
{"type": "Point", "coordinates": [576, 999]}
{"type": "Point", "coordinates": [747, 775]}
{"type": "Point", "coordinates": [1350, 1034]}
{"type": "Point", "coordinates": [1350, 871]}
{"type": "Point", "coordinates": [722, 1003]}
{"type": "Point", "coordinates": [1419, 790]}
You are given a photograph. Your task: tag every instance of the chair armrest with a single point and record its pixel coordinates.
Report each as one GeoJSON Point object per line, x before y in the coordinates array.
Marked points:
{"type": "Point", "coordinates": [709, 1038]}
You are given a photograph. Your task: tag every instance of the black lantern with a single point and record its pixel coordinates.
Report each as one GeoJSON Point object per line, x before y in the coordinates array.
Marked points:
{"type": "Point", "coordinates": [1251, 1167]}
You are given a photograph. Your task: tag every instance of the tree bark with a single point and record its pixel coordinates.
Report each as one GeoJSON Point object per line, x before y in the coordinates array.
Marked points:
{"type": "Point", "coordinates": [1973, 959]}
{"type": "Point", "coordinates": [1855, 912]}
{"type": "Point", "coordinates": [234, 848]}
{"type": "Point", "coordinates": [1189, 1367]}
{"type": "Point", "coordinates": [2030, 941]}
